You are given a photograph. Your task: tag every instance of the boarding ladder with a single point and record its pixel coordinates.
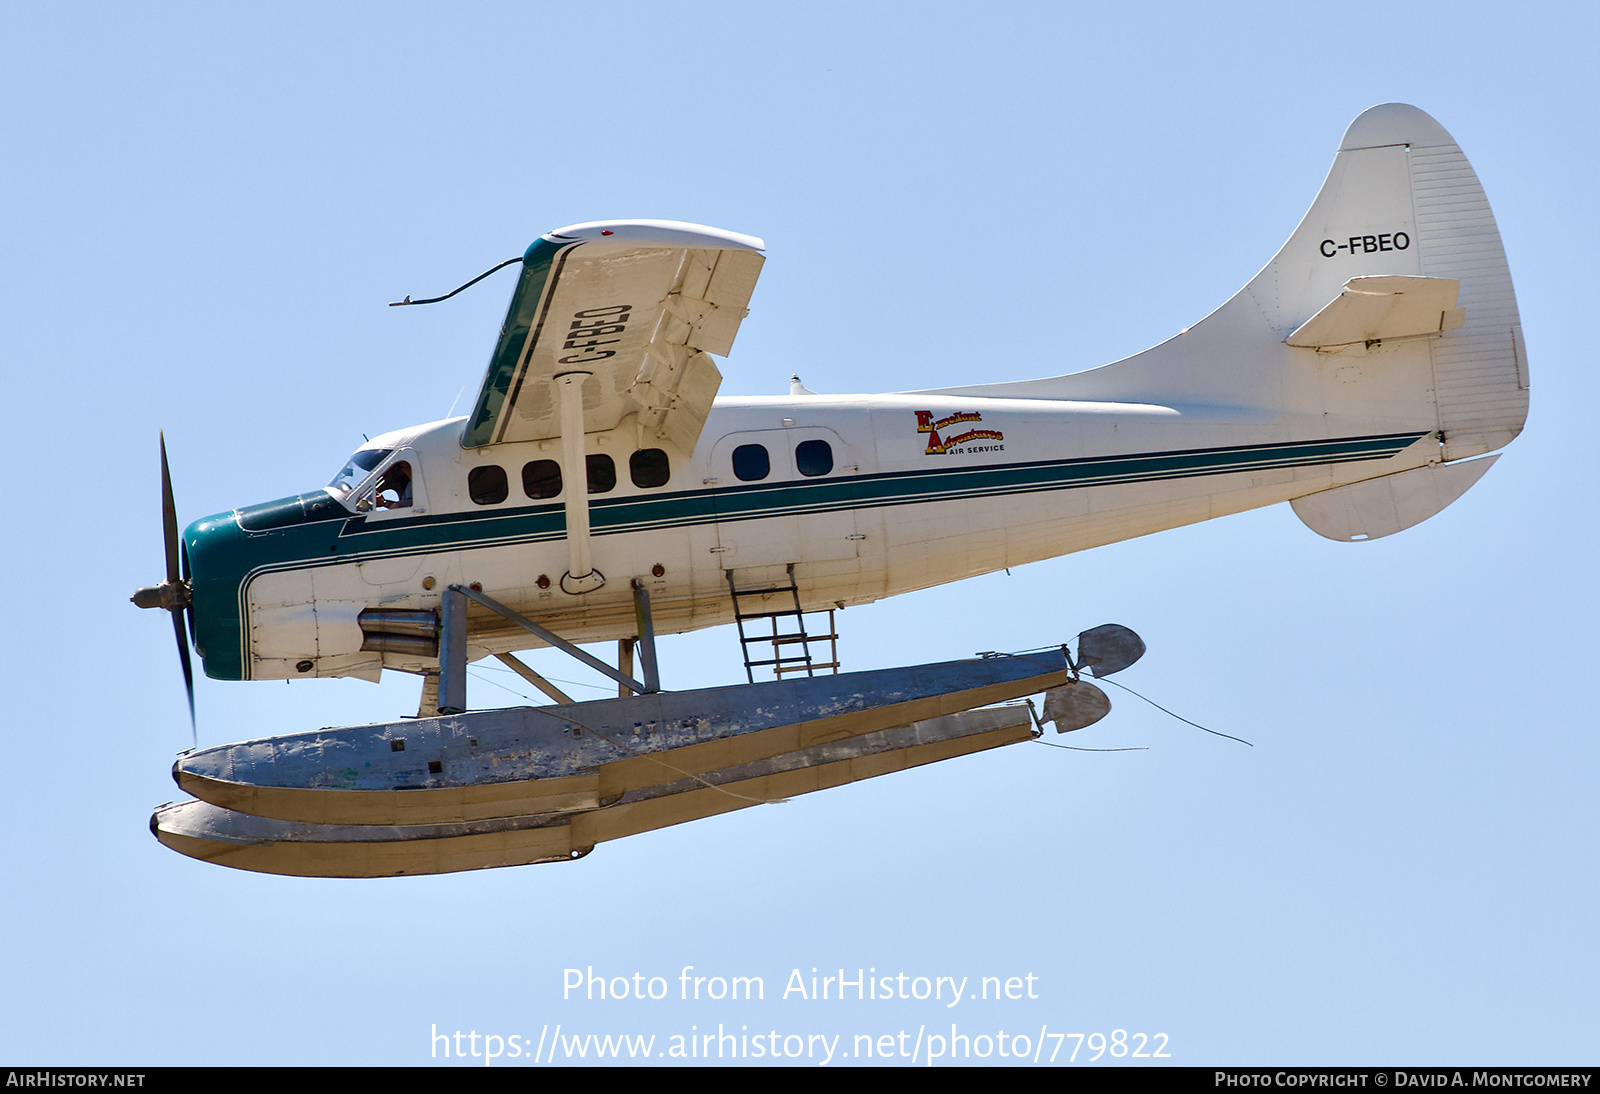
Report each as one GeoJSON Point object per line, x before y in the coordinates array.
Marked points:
{"type": "Point", "coordinates": [764, 607]}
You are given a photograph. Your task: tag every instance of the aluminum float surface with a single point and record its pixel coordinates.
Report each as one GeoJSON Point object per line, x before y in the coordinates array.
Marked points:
{"type": "Point", "coordinates": [223, 836]}
{"type": "Point", "coordinates": [573, 757]}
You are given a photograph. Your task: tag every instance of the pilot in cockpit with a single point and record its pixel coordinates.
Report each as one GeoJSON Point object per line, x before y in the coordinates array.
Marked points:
{"type": "Point", "coordinates": [394, 490]}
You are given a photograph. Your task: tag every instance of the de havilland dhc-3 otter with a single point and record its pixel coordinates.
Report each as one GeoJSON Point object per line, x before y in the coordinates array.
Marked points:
{"type": "Point", "coordinates": [599, 491]}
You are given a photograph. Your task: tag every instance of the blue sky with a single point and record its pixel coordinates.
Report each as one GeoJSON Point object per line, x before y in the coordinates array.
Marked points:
{"type": "Point", "coordinates": [207, 208]}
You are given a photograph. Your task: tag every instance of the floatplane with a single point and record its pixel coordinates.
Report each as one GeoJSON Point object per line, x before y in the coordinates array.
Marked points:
{"type": "Point", "coordinates": [600, 491]}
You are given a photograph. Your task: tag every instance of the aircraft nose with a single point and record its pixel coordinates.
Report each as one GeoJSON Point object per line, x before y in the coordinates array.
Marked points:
{"type": "Point", "coordinates": [211, 550]}
{"type": "Point", "coordinates": [213, 562]}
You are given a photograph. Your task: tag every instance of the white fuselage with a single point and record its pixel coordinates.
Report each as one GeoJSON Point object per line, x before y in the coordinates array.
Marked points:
{"type": "Point", "coordinates": [918, 490]}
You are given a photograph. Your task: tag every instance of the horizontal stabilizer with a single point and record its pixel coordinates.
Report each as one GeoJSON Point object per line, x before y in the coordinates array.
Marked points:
{"type": "Point", "coordinates": [1383, 506]}
{"type": "Point", "coordinates": [1374, 308]}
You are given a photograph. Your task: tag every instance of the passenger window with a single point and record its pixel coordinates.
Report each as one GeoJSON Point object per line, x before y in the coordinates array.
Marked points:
{"type": "Point", "coordinates": [541, 479]}
{"type": "Point", "coordinates": [751, 462]}
{"type": "Point", "coordinates": [487, 484]}
{"type": "Point", "coordinates": [813, 457]}
{"type": "Point", "coordinates": [394, 489]}
{"type": "Point", "coordinates": [649, 467]}
{"type": "Point", "coordinates": [602, 473]}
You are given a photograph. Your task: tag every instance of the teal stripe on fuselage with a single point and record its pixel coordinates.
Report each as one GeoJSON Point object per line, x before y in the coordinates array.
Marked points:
{"type": "Point", "coordinates": [756, 501]}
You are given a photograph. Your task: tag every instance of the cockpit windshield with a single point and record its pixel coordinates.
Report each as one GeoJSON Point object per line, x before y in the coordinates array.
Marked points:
{"type": "Point", "coordinates": [356, 471]}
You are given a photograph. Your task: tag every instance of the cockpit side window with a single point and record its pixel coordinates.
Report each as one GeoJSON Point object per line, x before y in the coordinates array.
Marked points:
{"type": "Point", "coordinates": [394, 489]}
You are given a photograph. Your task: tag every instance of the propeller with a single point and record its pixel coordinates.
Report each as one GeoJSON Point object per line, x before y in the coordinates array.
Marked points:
{"type": "Point", "coordinates": [175, 593]}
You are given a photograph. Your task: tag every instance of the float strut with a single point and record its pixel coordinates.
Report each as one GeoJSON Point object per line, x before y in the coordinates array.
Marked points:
{"type": "Point", "coordinates": [647, 636]}
{"type": "Point", "coordinates": [625, 664]}
{"type": "Point", "coordinates": [453, 652]}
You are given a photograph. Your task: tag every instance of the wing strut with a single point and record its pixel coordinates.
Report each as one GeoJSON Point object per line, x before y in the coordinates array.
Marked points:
{"type": "Point", "coordinates": [581, 576]}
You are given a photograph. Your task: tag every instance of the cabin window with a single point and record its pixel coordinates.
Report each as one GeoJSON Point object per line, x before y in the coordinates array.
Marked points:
{"type": "Point", "coordinates": [541, 479]}
{"type": "Point", "coordinates": [487, 484]}
{"type": "Point", "coordinates": [394, 489]}
{"type": "Point", "coordinates": [751, 462]}
{"type": "Point", "coordinates": [649, 467]}
{"type": "Point", "coordinates": [813, 457]}
{"type": "Point", "coordinates": [602, 473]}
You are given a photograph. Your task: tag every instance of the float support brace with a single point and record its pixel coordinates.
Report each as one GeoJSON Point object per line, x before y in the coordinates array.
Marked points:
{"type": "Point", "coordinates": [534, 678]}
{"type": "Point", "coordinates": [549, 636]}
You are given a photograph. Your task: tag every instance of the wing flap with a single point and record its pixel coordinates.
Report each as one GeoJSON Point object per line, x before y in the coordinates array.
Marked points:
{"type": "Point", "coordinates": [639, 306]}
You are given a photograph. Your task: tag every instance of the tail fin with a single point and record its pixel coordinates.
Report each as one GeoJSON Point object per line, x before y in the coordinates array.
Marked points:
{"type": "Point", "coordinates": [1398, 171]}
{"type": "Point", "coordinates": [1400, 200]}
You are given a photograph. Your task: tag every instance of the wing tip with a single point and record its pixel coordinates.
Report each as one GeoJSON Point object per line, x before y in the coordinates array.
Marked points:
{"type": "Point", "coordinates": [672, 233]}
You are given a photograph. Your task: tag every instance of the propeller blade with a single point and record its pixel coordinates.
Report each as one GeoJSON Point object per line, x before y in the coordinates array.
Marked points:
{"type": "Point", "coordinates": [182, 634]}
{"type": "Point", "coordinates": [169, 515]}
{"type": "Point", "coordinates": [178, 580]}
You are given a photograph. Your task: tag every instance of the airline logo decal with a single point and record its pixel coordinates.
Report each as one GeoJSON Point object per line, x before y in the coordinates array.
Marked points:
{"type": "Point", "coordinates": [959, 443]}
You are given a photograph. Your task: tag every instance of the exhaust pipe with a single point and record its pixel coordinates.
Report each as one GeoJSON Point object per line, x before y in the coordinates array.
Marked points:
{"type": "Point", "coordinates": [388, 630]}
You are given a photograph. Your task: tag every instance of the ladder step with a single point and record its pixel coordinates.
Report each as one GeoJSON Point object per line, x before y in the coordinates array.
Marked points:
{"type": "Point", "coordinates": [779, 663]}
{"type": "Point", "coordinates": [812, 669]}
{"type": "Point", "coordinates": [767, 591]}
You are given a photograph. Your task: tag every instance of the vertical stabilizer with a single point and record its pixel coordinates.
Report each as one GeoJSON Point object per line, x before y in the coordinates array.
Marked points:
{"type": "Point", "coordinates": [1400, 202]}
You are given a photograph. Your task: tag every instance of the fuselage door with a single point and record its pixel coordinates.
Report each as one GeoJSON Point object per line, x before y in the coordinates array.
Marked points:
{"type": "Point", "coordinates": [785, 495]}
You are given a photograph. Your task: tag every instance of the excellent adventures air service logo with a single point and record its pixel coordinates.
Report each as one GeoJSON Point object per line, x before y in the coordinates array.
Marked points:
{"type": "Point", "coordinates": [961, 442]}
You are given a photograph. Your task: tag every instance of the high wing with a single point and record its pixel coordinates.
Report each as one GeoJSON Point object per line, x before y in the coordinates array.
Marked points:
{"type": "Point", "coordinates": [638, 306]}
